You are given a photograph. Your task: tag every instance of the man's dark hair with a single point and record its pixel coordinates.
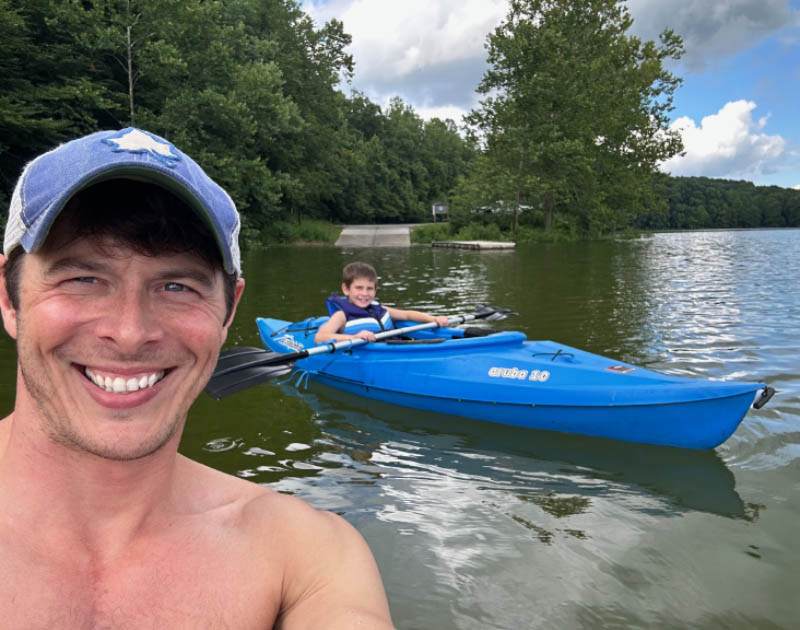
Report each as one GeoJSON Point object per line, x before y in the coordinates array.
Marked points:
{"type": "Point", "coordinates": [145, 217]}
{"type": "Point", "coordinates": [355, 270]}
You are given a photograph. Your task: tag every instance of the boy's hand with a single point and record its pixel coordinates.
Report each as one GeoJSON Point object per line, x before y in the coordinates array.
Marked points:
{"type": "Point", "coordinates": [442, 320]}
{"type": "Point", "coordinates": [365, 334]}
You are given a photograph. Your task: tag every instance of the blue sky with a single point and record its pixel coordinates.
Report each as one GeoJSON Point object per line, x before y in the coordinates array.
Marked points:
{"type": "Point", "coordinates": [738, 109]}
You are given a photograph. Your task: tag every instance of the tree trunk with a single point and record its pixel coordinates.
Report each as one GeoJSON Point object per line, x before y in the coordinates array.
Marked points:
{"type": "Point", "coordinates": [130, 71]}
{"type": "Point", "coordinates": [548, 211]}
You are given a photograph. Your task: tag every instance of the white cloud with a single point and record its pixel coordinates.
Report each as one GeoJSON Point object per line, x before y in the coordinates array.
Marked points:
{"type": "Point", "coordinates": [729, 144]}
{"type": "Point", "coordinates": [453, 112]}
{"type": "Point", "coordinates": [429, 52]}
{"type": "Point", "coordinates": [394, 39]}
{"type": "Point", "coordinates": [712, 29]}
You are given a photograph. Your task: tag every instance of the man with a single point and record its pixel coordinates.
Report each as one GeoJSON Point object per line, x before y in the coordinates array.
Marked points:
{"type": "Point", "coordinates": [120, 278]}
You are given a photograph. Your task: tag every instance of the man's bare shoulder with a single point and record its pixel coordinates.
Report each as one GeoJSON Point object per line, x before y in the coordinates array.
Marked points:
{"type": "Point", "coordinates": [204, 489]}
{"type": "Point", "coordinates": [267, 513]}
{"type": "Point", "coordinates": [330, 578]}
{"type": "Point", "coordinates": [270, 515]}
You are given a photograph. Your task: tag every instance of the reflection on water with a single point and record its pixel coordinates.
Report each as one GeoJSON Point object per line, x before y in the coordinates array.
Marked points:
{"type": "Point", "coordinates": [558, 473]}
{"type": "Point", "coordinates": [484, 526]}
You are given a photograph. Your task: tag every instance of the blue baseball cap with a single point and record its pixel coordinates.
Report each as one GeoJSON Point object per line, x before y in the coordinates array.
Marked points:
{"type": "Point", "coordinates": [53, 178]}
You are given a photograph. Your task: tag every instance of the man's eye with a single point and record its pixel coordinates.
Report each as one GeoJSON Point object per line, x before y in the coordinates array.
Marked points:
{"type": "Point", "coordinates": [84, 279]}
{"type": "Point", "coordinates": [175, 287]}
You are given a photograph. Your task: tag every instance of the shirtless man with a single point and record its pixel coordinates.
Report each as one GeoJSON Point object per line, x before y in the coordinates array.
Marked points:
{"type": "Point", "coordinates": [119, 282]}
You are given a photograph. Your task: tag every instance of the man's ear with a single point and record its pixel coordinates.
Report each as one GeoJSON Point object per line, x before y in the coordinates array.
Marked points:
{"type": "Point", "coordinates": [8, 312]}
{"type": "Point", "coordinates": [237, 295]}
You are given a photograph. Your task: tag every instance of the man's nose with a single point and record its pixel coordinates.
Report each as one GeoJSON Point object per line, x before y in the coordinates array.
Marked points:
{"type": "Point", "coordinates": [130, 321]}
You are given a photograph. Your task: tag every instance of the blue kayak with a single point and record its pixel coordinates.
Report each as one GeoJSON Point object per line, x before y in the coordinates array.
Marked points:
{"type": "Point", "coordinates": [503, 377]}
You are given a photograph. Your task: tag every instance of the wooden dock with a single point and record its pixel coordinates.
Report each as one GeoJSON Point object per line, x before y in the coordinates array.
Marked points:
{"type": "Point", "coordinates": [474, 244]}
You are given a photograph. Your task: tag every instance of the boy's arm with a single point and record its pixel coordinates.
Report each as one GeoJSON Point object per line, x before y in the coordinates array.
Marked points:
{"type": "Point", "coordinates": [329, 331]}
{"type": "Point", "coordinates": [415, 316]}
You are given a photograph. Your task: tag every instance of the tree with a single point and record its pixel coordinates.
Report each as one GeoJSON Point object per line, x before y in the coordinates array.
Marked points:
{"type": "Point", "coordinates": [575, 113]}
{"type": "Point", "coordinates": [445, 156]}
{"type": "Point", "coordinates": [250, 88]}
{"type": "Point", "coordinates": [53, 85]}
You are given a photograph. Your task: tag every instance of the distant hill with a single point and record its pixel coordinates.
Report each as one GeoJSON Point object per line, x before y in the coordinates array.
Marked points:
{"type": "Point", "coordinates": [703, 202]}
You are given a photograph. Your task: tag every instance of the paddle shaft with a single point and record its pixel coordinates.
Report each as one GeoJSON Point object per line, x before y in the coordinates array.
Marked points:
{"type": "Point", "coordinates": [345, 344]}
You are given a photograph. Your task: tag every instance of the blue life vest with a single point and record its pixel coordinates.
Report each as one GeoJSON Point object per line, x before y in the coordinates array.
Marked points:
{"type": "Point", "coordinates": [374, 318]}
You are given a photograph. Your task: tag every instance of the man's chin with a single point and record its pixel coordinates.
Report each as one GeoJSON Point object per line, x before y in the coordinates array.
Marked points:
{"type": "Point", "coordinates": [121, 445]}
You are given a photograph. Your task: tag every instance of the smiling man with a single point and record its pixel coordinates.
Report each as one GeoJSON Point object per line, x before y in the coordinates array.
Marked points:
{"type": "Point", "coordinates": [120, 278]}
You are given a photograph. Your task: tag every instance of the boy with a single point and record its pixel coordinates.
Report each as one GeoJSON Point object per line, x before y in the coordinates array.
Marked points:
{"type": "Point", "coordinates": [357, 315]}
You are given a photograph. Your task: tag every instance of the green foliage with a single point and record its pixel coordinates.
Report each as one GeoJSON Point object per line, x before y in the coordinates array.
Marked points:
{"type": "Point", "coordinates": [527, 234]}
{"type": "Point", "coordinates": [52, 84]}
{"type": "Point", "coordinates": [430, 232]}
{"type": "Point", "coordinates": [481, 232]}
{"type": "Point", "coordinates": [575, 115]}
{"type": "Point", "coordinates": [314, 231]}
{"type": "Point", "coordinates": [488, 231]}
{"type": "Point", "coordinates": [701, 202]}
{"type": "Point", "coordinates": [303, 231]}
{"type": "Point", "coordinates": [249, 88]}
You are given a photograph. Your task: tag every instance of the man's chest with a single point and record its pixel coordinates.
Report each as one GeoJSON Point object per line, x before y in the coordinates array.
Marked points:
{"type": "Point", "coordinates": [189, 587]}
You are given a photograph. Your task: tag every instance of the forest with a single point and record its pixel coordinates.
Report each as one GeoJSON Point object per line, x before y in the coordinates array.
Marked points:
{"type": "Point", "coordinates": [568, 136]}
{"type": "Point", "coordinates": [702, 202]}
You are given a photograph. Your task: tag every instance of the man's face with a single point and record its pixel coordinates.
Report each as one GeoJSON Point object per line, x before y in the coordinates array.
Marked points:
{"type": "Point", "coordinates": [361, 292]}
{"type": "Point", "coordinates": [114, 346]}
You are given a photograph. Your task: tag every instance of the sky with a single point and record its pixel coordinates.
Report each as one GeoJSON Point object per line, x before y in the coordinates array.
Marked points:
{"type": "Point", "coordinates": [738, 109]}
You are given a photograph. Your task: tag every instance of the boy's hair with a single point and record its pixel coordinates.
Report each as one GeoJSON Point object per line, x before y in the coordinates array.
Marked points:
{"type": "Point", "coordinates": [355, 270]}
{"type": "Point", "coordinates": [147, 218]}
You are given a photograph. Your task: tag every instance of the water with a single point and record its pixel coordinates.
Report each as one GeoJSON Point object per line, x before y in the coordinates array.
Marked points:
{"type": "Point", "coordinates": [481, 526]}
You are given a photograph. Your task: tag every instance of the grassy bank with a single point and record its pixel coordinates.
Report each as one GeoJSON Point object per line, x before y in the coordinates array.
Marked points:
{"type": "Point", "coordinates": [486, 232]}
{"type": "Point", "coordinates": [289, 232]}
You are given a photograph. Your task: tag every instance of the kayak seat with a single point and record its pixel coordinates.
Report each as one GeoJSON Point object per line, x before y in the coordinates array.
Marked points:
{"type": "Point", "coordinates": [310, 324]}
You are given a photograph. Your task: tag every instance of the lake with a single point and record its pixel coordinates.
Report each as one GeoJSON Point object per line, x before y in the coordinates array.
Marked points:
{"type": "Point", "coordinates": [481, 526]}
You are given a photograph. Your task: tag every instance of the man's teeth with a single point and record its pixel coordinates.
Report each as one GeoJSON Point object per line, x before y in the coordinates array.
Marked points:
{"type": "Point", "coordinates": [120, 385]}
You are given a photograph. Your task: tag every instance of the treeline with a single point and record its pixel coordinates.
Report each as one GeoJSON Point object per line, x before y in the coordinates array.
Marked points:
{"type": "Point", "coordinates": [249, 88]}
{"type": "Point", "coordinates": [572, 126]}
{"type": "Point", "coordinates": [702, 202]}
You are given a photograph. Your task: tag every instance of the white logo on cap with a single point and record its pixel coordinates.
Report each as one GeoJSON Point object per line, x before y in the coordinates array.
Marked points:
{"type": "Point", "coordinates": [137, 141]}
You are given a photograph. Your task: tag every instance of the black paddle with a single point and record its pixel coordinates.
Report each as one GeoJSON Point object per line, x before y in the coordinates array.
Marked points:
{"type": "Point", "coordinates": [243, 367]}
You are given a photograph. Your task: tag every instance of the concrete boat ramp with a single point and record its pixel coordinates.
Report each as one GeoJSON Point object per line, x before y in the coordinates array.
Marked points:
{"type": "Point", "coordinates": [375, 236]}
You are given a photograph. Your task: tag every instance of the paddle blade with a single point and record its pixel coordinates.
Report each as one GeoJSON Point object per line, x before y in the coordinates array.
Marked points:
{"type": "Point", "coordinates": [239, 356]}
{"type": "Point", "coordinates": [242, 367]}
{"type": "Point", "coordinates": [226, 384]}
{"type": "Point", "coordinates": [492, 313]}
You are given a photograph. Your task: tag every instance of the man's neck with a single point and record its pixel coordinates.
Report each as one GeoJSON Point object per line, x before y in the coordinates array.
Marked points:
{"type": "Point", "coordinates": [91, 501]}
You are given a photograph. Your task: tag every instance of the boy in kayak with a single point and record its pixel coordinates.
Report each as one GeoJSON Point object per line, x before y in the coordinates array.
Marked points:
{"type": "Point", "coordinates": [357, 315]}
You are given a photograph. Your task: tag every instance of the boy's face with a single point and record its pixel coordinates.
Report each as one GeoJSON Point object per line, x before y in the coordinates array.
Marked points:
{"type": "Point", "coordinates": [361, 292]}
